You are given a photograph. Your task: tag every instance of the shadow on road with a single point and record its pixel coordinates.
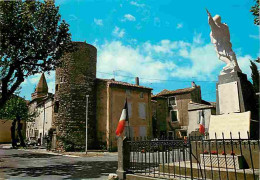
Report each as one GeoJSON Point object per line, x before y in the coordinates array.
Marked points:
{"type": "Point", "coordinates": [93, 169]}
{"type": "Point", "coordinates": [27, 155]}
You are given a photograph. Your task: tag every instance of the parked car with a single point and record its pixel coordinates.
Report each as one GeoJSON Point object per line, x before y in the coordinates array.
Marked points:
{"type": "Point", "coordinates": [32, 142]}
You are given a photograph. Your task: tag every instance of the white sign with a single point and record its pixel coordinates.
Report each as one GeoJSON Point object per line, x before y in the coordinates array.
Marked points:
{"type": "Point", "coordinates": [228, 98]}
{"type": "Point", "coordinates": [226, 123]}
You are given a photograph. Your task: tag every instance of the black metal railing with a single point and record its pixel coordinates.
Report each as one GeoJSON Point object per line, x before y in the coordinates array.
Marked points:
{"type": "Point", "coordinates": [195, 158]}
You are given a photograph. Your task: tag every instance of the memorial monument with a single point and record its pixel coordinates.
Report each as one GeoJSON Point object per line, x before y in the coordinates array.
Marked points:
{"type": "Point", "coordinates": [235, 93]}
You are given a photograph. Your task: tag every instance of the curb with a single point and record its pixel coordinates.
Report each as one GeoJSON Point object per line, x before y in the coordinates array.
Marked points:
{"type": "Point", "coordinates": [52, 153]}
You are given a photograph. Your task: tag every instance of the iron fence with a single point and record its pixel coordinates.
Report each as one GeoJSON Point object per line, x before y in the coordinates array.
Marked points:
{"type": "Point", "coordinates": [195, 158]}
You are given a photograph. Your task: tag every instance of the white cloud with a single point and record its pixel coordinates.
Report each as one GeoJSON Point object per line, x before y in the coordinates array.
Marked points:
{"type": "Point", "coordinates": [197, 38]}
{"type": "Point", "coordinates": [118, 32]}
{"type": "Point", "coordinates": [164, 60]}
{"type": "Point", "coordinates": [203, 62]}
{"type": "Point", "coordinates": [165, 47]}
{"type": "Point", "coordinates": [116, 56]}
{"type": "Point", "coordinates": [98, 22]}
{"type": "Point", "coordinates": [244, 64]}
{"type": "Point", "coordinates": [254, 36]}
{"type": "Point", "coordinates": [128, 17]}
{"type": "Point", "coordinates": [136, 4]}
{"type": "Point", "coordinates": [179, 26]}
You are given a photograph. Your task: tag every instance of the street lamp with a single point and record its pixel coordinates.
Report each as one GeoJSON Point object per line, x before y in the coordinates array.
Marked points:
{"type": "Point", "coordinates": [87, 96]}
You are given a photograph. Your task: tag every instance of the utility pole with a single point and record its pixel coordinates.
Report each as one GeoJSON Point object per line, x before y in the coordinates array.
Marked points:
{"type": "Point", "coordinates": [42, 141]}
{"type": "Point", "coordinates": [87, 96]}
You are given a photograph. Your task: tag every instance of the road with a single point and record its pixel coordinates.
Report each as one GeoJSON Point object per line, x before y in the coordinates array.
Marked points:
{"type": "Point", "coordinates": [20, 164]}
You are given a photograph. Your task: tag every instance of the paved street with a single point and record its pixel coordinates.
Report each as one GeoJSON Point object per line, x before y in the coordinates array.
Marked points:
{"type": "Point", "coordinates": [20, 164]}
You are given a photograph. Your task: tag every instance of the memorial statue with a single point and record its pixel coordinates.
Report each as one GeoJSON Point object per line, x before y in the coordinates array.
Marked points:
{"type": "Point", "coordinates": [220, 37]}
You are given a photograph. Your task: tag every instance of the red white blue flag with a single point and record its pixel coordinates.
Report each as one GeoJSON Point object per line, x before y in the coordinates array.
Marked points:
{"type": "Point", "coordinates": [202, 123]}
{"type": "Point", "coordinates": [121, 124]}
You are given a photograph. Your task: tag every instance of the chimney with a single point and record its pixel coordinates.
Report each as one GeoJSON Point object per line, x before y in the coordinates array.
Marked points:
{"type": "Point", "coordinates": [137, 81]}
{"type": "Point", "coordinates": [193, 84]}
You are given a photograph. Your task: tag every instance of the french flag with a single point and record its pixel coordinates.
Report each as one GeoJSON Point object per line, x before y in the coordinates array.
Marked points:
{"type": "Point", "coordinates": [121, 124]}
{"type": "Point", "coordinates": [202, 123]}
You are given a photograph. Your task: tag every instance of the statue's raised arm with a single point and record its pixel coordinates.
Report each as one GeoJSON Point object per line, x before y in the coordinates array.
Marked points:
{"type": "Point", "coordinates": [220, 37]}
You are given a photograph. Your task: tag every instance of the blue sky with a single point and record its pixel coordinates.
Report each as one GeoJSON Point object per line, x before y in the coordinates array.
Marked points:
{"type": "Point", "coordinates": [166, 43]}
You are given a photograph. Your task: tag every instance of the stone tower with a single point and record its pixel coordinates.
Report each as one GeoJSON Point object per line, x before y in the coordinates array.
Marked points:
{"type": "Point", "coordinates": [41, 89]}
{"type": "Point", "coordinates": [75, 79]}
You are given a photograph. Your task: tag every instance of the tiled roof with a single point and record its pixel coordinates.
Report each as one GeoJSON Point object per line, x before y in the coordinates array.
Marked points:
{"type": "Point", "coordinates": [110, 81]}
{"type": "Point", "coordinates": [198, 106]}
{"type": "Point", "coordinates": [166, 92]}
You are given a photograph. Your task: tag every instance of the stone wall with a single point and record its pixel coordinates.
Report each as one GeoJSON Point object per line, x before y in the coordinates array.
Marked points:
{"type": "Point", "coordinates": [75, 79]}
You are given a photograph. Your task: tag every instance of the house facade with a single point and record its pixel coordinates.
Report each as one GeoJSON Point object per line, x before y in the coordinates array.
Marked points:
{"type": "Point", "coordinates": [171, 116]}
{"type": "Point", "coordinates": [42, 105]}
{"type": "Point", "coordinates": [199, 112]}
{"type": "Point", "coordinates": [111, 96]}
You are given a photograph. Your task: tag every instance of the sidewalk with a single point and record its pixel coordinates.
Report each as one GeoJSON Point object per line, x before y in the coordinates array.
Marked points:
{"type": "Point", "coordinates": [72, 154]}
{"type": "Point", "coordinates": [39, 149]}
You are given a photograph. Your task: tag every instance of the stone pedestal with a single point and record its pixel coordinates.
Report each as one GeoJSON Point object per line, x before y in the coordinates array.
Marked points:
{"type": "Point", "coordinates": [123, 157]}
{"type": "Point", "coordinates": [234, 94]}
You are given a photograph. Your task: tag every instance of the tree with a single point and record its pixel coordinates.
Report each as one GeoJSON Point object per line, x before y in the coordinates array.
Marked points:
{"type": "Point", "coordinates": [17, 110]}
{"type": "Point", "coordinates": [255, 11]}
{"type": "Point", "coordinates": [255, 76]}
{"type": "Point", "coordinates": [32, 39]}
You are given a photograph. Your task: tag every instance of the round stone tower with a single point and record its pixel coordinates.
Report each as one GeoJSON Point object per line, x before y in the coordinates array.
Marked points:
{"type": "Point", "coordinates": [75, 80]}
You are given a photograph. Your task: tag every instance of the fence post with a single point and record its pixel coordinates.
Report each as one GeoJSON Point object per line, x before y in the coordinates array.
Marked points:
{"type": "Point", "coordinates": [190, 146]}
{"type": "Point", "coordinates": [123, 157]}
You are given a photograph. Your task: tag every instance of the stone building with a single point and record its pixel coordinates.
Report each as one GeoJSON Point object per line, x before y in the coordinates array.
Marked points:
{"type": "Point", "coordinates": [75, 79]}
{"type": "Point", "coordinates": [111, 96]}
{"type": "Point", "coordinates": [42, 104]}
{"type": "Point", "coordinates": [171, 116]}
{"type": "Point", "coordinates": [77, 91]}
{"type": "Point", "coordinates": [80, 97]}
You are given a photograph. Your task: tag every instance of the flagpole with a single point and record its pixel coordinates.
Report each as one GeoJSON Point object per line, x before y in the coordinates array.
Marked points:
{"type": "Point", "coordinates": [128, 121]}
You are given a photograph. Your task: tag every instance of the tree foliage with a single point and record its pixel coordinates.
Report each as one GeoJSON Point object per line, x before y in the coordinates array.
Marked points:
{"type": "Point", "coordinates": [255, 76]}
{"type": "Point", "coordinates": [255, 11]}
{"type": "Point", "coordinates": [32, 39]}
{"type": "Point", "coordinates": [16, 107]}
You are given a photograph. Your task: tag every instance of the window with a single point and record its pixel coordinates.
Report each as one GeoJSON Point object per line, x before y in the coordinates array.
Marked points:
{"type": "Point", "coordinates": [141, 110]}
{"type": "Point", "coordinates": [56, 107]}
{"type": "Point", "coordinates": [129, 107]}
{"type": "Point", "coordinates": [174, 116]}
{"type": "Point", "coordinates": [201, 116]}
{"type": "Point", "coordinates": [56, 87]}
{"type": "Point", "coordinates": [172, 101]}
{"type": "Point", "coordinates": [141, 95]}
{"type": "Point", "coordinates": [142, 131]}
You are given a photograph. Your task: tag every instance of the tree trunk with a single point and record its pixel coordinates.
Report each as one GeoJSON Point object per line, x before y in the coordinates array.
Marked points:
{"type": "Point", "coordinates": [19, 130]}
{"type": "Point", "coordinates": [14, 143]}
